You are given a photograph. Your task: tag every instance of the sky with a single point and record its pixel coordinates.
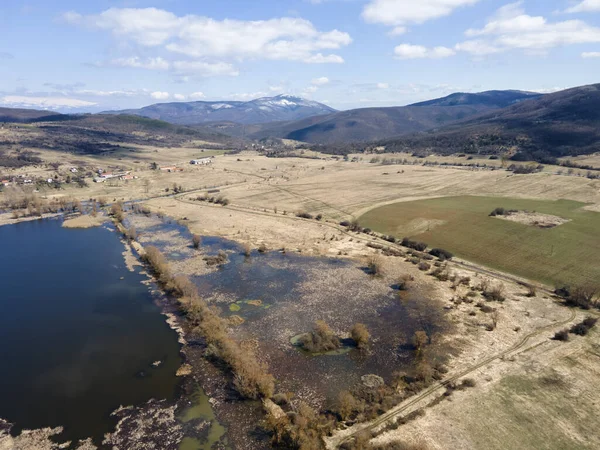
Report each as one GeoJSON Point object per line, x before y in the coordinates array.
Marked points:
{"type": "Point", "coordinates": [73, 55]}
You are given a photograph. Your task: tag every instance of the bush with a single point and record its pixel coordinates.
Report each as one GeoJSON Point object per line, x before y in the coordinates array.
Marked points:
{"type": "Point", "coordinates": [360, 335]}
{"type": "Point", "coordinates": [494, 293]}
{"type": "Point", "coordinates": [116, 210]}
{"type": "Point", "coordinates": [442, 254]}
{"type": "Point", "coordinates": [320, 339]}
{"type": "Point", "coordinates": [584, 297]}
{"type": "Point", "coordinates": [196, 241]}
{"type": "Point", "coordinates": [375, 265]}
{"type": "Point", "coordinates": [304, 215]}
{"type": "Point", "coordinates": [389, 238]}
{"type": "Point", "coordinates": [498, 212]}
{"type": "Point", "coordinates": [131, 233]}
{"type": "Point", "coordinates": [415, 245]}
{"type": "Point", "coordinates": [581, 329]}
{"type": "Point", "coordinates": [217, 260]}
{"type": "Point", "coordinates": [424, 266]}
{"type": "Point", "coordinates": [562, 335]}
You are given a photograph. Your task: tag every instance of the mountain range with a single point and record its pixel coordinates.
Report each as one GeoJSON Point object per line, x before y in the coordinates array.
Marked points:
{"type": "Point", "coordinates": [525, 125]}
{"type": "Point", "coordinates": [261, 110]}
{"type": "Point", "coordinates": [563, 123]}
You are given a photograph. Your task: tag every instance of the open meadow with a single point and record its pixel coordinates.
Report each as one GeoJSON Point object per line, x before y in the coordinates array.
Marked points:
{"type": "Point", "coordinates": [567, 253]}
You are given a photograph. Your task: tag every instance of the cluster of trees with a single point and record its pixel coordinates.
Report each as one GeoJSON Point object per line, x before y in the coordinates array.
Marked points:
{"type": "Point", "coordinates": [220, 200]}
{"type": "Point", "coordinates": [251, 378]}
{"type": "Point", "coordinates": [415, 245]}
{"type": "Point", "coordinates": [585, 296]}
{"type": "Point", "coordinates": [25, 203]}
{"type": "Point", "coordinates": [580, 329]}
{"type": "Point", "coordinates": [22, 159]}
{"type": "Point", "coordinates": [305, 215]}
{"type": "Point", "coordinates": [322, 338]}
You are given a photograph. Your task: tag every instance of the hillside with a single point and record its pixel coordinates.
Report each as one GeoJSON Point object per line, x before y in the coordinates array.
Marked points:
{"type": "Point", "coordinates": [262, 110]}
{"type": "Point", "coordinates": [101, 133]}
{"type": "Point", "coordinates": [368, 124]}
{"type": "Point", "coordinates": [559, 124]}
{"type": "Point", "coordinates": [23, 115]}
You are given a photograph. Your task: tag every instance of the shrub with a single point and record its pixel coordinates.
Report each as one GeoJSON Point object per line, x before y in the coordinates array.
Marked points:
{"type": "Point", "coordinates": [389, 238]}
{"type": "Point", "coordinates": [582, 296]}
{"type": "Point", "coordinates": [360, 335]}
{"type": "Point", "coordinates": [419, 340]}
{"type": "Point", "coordinates": [562, 335]}
{"type": "Point", "coordinates": [196, 241]}
{"type": "Point", "coordinates": [442, 254]}
{"type": "Point", "coordinates": [217, 260]}
{"type": "Point", "coordinates": [494, 293]}
{"type": "Point", "coordinates": [531, 290]}
{"type": "Point", "coordinates": [375, 265]}
{"type": "Point", "coordinates": [498, 212]}
{"type": "Point", "coordinates": [347, 405]}
{"type": "Point", "coordinates": [246, 250]}
{"type": "Point", "coordinates": [424, 266]}
{"type": "Point", "coordinates": [320, 339]}
{"type": "Point", "coordinates": [304, 215]}
{"type": "Point", "coordinates": [131, 233]}
{"type": "Point", "coordinates": [403, 282]}
{"type": "Point", "coordinates": [116, 210]}
{"type": "Point", "coordinates": [415, 245]}
{"type": "Point", "coordinates": [158, 263]}
{"type": "Point", "coordinates": [319, 217]}
{"type": "Point", "coordinates": [581, 329]}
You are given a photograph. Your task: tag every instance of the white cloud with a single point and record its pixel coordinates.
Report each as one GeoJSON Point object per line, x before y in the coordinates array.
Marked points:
{"type": "Point", "coordinates": [322, 81]}
{"type": "Point", "coordinates": [383, 86]}
{"type": "Point", "coordinates": [512, 28]}
{"type": "Point", "coordinates": [397, 31]}
{"type": "Point", "coordinates": [590, 55]}
{"type": "Point", "coordinates": [477, 47]}
{"type": "Point", "coordinates": [319, 58]}
{"type": "Point", "coordinates": [44, 102]}
{"type": "Point", "coordinates": [179, 97]}
{"type": "Point", "coordinates": [401, 12]}
{"type": "Point", "coordinates": [197, 95]}
{"type": "Point", "coordinates": [409, 51]}
{"type": "Point", "coordinates": [585, 6]}
{"type": "Point", "coordinates": [311, 89]}
{"type": "Point", "coordinates": [138, 63]}
{"type": "Point", "coordinates": [158, 95]}
{"type": "Point", "coordinates": [209, 42]}
{"type": "Point", "coordinates": [204, 68]}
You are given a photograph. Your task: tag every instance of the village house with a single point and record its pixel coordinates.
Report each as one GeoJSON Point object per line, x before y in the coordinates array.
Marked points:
{"type": "Point", "coordinates": [201, 161]}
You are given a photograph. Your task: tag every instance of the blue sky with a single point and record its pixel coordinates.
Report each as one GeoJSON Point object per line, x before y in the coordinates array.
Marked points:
{"type": "Point", "coordinates": [71, 55]}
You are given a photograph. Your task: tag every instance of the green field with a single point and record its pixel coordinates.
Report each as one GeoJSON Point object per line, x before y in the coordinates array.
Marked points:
{"type": "Point", "coordinates": [567, 253]}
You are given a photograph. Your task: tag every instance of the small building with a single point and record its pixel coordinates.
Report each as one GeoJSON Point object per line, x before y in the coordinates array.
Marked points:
{"type": "Point", "coordinates": [127, 177]}
{"type": "Point", "coordinates": [5, 182]}
{"type": "Point", "coordinates": [50, 181]}
{"type": "Point", "coordinates": [73, 170]}
{"type": "Point", "coordinates": [201, 161]}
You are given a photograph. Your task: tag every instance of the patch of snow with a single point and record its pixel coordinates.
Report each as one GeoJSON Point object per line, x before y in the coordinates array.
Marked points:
{"type": "Point", "coordinates": [220, 106]}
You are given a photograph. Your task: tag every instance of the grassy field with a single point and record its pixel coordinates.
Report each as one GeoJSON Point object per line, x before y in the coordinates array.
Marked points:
{"type": "Point", "coordinates": [567, 253]}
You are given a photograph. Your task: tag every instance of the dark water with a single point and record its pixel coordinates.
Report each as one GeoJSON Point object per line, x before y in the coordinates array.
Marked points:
{"type": "Point", "coordinates": [76, 340]}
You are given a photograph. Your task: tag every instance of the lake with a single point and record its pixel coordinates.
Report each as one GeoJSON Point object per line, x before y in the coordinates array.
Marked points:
{"type": "Point", "coordinates": [79, 332]}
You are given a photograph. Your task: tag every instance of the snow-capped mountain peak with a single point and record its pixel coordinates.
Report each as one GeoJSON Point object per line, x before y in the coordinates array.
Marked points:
{"type": "Point", "coordinates": [282, 107]}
